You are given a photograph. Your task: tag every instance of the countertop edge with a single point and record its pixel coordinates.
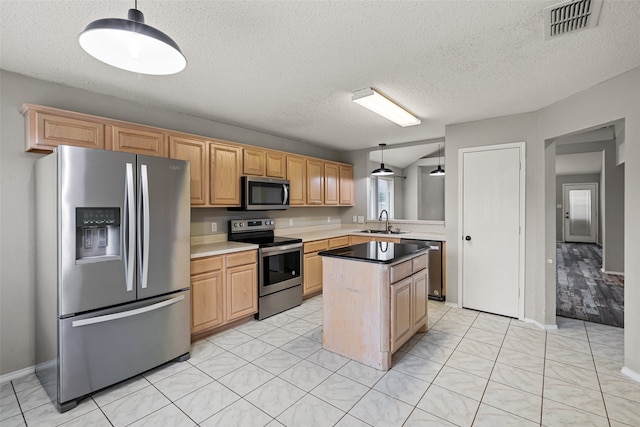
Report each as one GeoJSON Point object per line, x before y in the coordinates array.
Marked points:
{"type": "Point", "coordinates": [369, 260]}
{"type": "Point", "coordinates": [222, 248]}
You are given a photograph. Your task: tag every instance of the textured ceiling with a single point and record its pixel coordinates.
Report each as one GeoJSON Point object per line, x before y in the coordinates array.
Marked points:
{"type": "Point", "coordinates": [289, 68]}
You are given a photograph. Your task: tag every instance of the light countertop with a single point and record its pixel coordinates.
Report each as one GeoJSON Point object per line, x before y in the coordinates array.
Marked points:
{"type": "Point", "coordinates": [327, 234]}
{"type": "Point", "coordinates": [225, 247]}
{"type": "Point", "coordinates": [220, 248]}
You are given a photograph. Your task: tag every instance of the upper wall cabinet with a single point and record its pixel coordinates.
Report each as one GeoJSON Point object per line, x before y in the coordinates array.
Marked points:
{"type": "Point", "coordinates": [331, 190]}
{"type": "Point", "coordinates": [346, 185]}
{"type": "Point", "coordinates": [225, 166]}
{"type": "Point", "coordinates": [276, 164]}
{"type": "Point", "coordinates": [315, 182]}
{"type": "Point", "coordinates": [47, 128]}
{"type": "Point", "coordinates": [139, 140]}
{"type": "Point", "coordinates": [253, 162]}
{"type": "Point", "coordinates": [297, 176]}
{"type": "Point", "coordinates": [216, 165]}
{"type": "Point", "coordinates": [195, 151]}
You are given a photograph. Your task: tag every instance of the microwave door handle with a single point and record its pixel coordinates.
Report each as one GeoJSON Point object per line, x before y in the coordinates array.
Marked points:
{"type": "Point", "coordinates": [285, 199]}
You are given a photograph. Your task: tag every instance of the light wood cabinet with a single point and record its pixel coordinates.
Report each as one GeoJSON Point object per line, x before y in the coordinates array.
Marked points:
{"type": "Point", "coordinates": [223, 289]}
{"type": "Point", "coordinates": [420, 288]}
{"type": "Point", "coordinates": [46, 130]}
{"type": "Point", "coordinates": [297, 176]}
{"type": "Point", "coordinates": [225, 164]}
{"type": "Point", "coordinates": [401, 313]}
{"type": "Point", "coordinates": [242, 291]}
{"type": "Point", "coordinates": [409, 296]}
{"type": "Point", "coordinates": [276, 164]}
{"type": "Point", "coordinates": [315, 182]}
{"type": "Point", "coordinates": [372, 309]}
{"type": "Point", "coordinates": [346, 185]}
{"type": "Point", "coordinates": [207, 301]}
{"type": "Point", "coordinates": [216, 165]}
{"type": "Point", "coordinates": [195, 151]}
{"type": "Point", "coordinates": [312, 262]}
{"type": "Point", "coordinates": [312, 273]}
{"type": "Point", "coordinates": [139, 140]}
{"type": "Point", "coordinates": [252, 162]}
{"type": "Point", "coordinates": [331, 182]}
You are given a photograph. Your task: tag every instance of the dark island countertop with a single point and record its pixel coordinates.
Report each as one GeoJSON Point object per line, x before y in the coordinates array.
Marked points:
{"type": "Point", "coordinates": [377, 252]}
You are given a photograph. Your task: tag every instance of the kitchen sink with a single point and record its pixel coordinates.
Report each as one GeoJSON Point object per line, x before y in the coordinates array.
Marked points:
{"type": "Point", "coordinates": [382, 232]}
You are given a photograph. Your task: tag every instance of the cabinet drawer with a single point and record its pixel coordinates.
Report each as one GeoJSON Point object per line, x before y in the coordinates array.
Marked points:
{"type": "Point", "coordinates": [400, 271]}
{"type": "Point", "coordinates": [241, 258]}
{"type": "Point", "coordinates": [420, 262]}
{"type": "Point", "coordinates": [318, 245]}
{"type": "Point", "coordinates": [338, 242]}
{"type": "Point", "coordinates": [204, 265]}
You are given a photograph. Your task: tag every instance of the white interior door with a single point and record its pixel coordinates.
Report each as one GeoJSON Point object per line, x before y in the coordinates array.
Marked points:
{"type": "Point", "coordinates": [580, 207]}
{"type": "Point", "coordinates": [492, 212]}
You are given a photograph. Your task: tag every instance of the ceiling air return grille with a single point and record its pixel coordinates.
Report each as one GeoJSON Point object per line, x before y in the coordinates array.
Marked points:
{"type": "Point", "coordinates": [570, 16]}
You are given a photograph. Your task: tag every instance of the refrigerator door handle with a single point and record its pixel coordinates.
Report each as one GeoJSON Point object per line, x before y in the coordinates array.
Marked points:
{"type": "Point", "coordinates": [143, 240]}
{"type": "Point", "coordinates": [129, 225]}
{"type": "Point", "coordinates": [123, 314]}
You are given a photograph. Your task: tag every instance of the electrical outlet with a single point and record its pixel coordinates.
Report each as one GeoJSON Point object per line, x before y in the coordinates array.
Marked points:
{"type": "Point", "coordinates": [291, 221]}
{"type": "Point", "coordinates": [329, 219]}
{"type": "Point", "coordinates": [355, 219]}
{"type": "Point", "coordinates": [361, 219]}
{"type": "Point", "coordinates": [214, 227]}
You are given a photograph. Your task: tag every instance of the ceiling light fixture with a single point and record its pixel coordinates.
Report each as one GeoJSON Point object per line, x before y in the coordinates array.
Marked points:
{"type": "Point", "coordinates": [377, 103]}
{"type": "Point", "coordinates": [382, 171]}
{"type": "Point", "coordinates": [438, 171]}
{"type": "Point", "coordinates": [132, 45]}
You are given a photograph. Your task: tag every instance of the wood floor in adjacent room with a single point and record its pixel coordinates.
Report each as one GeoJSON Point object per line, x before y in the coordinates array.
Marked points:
{"type": "Point", "coordinates": [583, 291]}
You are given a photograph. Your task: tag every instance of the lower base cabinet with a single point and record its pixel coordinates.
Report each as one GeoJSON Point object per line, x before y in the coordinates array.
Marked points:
{"type": "Point", "coordinates": [223, 289]}
{"type": "Point", "coordinates": [312, 262]}
{"type": "Point", "coordinates": [408, 308]}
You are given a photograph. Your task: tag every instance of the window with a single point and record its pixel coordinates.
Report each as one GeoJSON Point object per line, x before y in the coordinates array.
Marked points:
{"type": "Point", "coordinates": [382, 196]}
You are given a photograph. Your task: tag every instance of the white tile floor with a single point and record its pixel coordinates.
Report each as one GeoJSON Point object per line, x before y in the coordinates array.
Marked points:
{"type": "Point", "coordinates": [469, 369]}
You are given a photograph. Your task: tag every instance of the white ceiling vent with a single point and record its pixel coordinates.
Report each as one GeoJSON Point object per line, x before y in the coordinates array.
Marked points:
{"type": "Point", "coordinates": [570, 16]}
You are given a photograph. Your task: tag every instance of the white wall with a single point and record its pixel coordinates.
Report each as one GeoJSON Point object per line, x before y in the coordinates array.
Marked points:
{"type": "Point", "coordinates": [17, 249]}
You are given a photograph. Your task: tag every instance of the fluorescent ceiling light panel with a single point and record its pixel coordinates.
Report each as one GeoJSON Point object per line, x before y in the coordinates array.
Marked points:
{"type": "Point", "coordinates": [377, 103]}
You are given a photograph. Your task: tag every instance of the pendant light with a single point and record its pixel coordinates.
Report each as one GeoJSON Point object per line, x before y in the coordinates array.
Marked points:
{"type": "Point", "coordinates": [131, 45]}
{"type": "Point", "coordinates": [382, 171]}
{"type": "Point", "coordinates": [438, 171]}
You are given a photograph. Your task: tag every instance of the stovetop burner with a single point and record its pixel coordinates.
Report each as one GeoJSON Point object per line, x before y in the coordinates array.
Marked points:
{"type": "Point", "coordinates": [259, 232]}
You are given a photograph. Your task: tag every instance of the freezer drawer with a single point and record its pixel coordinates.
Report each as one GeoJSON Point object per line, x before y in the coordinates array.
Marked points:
{"type": "Point", "coordinates": [104, 347]}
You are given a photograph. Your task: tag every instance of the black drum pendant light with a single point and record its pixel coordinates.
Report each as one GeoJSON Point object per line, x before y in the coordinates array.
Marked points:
{"type": "Point", "coordinates": [131, 45]}
{"type": "Point", "coordinates": [438, 171]}
{"type": "Point", "coordinates": [382, 171]}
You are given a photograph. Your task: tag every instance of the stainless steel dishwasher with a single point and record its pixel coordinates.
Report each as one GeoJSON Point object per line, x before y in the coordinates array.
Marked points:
{"type": "Point", "coordinates": [435, 266]}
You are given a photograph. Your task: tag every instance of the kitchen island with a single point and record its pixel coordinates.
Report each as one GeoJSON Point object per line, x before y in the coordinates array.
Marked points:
{"type": "Point", "coordinates": [374, 299]}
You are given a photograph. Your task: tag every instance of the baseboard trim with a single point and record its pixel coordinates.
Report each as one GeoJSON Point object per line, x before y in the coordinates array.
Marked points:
{"type": "Point", "coordinates": [452, 304]}
{"type": "Point", "coordinates": [17, 374]}
{"type": "Point", "coordinates": [631, 374]}
{"type": "Point", "coordinates": [540, 325]}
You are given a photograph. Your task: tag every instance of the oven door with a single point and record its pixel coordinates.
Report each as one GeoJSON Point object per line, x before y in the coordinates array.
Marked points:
{"type": "Point", "coordinates": [280, 268]}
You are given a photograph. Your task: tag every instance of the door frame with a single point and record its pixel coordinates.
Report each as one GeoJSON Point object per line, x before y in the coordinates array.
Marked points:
{"type": "Point", "coordinates": [521, 259]}
{"type": "Point", "coordinates": [595, 200]}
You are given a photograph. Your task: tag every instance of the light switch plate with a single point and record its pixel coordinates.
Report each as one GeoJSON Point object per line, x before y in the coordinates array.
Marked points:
{"type": "Point", "coordinates": [355, 219]}
{"type": "Point", "coordinates": [361, 219]}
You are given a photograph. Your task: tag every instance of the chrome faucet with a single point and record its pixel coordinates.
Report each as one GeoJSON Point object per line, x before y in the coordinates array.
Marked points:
{"type": "Point", "coordinates": [386, 224]}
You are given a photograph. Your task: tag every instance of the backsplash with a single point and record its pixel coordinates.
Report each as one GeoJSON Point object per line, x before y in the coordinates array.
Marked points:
{"type": "Point", "coordinates": [292, 218]}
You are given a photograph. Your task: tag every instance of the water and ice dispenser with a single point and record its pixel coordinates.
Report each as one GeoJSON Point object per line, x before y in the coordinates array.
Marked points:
{"type": "Point", "coordinates": [97, 234]}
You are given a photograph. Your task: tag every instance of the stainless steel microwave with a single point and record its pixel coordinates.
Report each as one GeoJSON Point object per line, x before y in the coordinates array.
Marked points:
{"type": "Point", "coordinates": [261, 194]}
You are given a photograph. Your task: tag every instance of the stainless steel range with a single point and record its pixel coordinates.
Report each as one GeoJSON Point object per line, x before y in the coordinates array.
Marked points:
{"type": "Point", "coordinates": [279, 265]}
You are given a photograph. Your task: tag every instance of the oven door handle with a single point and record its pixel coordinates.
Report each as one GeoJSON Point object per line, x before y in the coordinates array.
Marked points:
{"type": "Point", "coordinates": [281, 249]}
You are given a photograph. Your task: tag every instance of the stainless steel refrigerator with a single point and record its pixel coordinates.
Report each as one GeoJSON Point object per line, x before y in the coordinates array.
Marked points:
{"type": "Point", "coordinates": [112, 268]}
